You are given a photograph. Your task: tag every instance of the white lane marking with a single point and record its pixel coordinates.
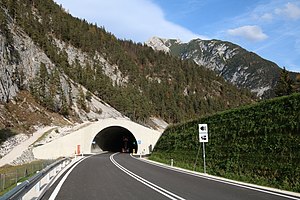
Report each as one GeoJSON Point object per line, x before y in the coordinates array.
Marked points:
{"type": "Point", "coordinates": [221, 181]}
{"type": "Point", "coordinates": [58, 187]}
{"type": "Point", "coordinates": [151, 185]}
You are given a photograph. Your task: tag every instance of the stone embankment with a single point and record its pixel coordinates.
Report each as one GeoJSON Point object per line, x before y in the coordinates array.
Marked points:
{"type": "Point", "coordinates": [12, 142]}
{"type": "Point", "coordinates": [17, 150]}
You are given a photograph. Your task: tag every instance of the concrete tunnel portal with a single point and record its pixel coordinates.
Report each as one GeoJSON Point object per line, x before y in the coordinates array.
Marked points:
{"type": "Point", "coordinates": [115, 139]}
{"type": "Point", "coordinates": [109, 134]}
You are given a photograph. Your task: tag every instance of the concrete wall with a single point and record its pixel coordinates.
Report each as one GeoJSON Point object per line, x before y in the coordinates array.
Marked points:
{"type": "Point", "coordinates": [66, 146]}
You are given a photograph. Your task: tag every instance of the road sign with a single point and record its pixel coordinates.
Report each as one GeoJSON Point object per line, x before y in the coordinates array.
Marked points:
{"type": "Point", "coordinates": [203, 137]}
{"type": "Point", "coordinates": [139, 141]}
{"type": "Point", "coordinates": [203, 133]}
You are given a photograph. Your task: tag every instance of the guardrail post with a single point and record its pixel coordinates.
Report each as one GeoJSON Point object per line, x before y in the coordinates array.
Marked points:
{"type": "Point", "coordinates": [50, 173]}
{"type": "Point", "coordinates": [38, 186]}
{"type": "Point", "coordinates": [48, 177]}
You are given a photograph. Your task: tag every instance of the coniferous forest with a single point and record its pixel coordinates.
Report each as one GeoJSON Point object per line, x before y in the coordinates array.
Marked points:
{"type": "Point", "coordinates": [157, 84]}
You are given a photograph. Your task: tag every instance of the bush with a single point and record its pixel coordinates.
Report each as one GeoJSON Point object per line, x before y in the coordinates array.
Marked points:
{"type": "Point", "coordinates": [5, 134]}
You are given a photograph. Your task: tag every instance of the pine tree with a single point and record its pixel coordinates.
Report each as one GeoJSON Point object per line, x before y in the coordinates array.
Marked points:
{"type": "Point", "coordinates": [64, 109]}
{"type": "Point", "coordinates": [88, 96]}
{"type": "Point", "coordinates": [296, 85]}
{"type": "Point", "coordinates": [284, 84]}
{"type": "Point", "coordinates": [43, 83]}
{"type": "Point", "coordinates": [81, 99]}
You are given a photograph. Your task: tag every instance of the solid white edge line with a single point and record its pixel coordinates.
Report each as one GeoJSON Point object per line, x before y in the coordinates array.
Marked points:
{"type": "Point", "coordinates": [218, 180]}
{"type": "Point", "coordinates": [58, 187]}
{"type": "Point", "coordinates": [148, 185]}
{"type": "Point", "coordinates": [148, 182]}
{"type": "Point", "coordinates": [151, 185]}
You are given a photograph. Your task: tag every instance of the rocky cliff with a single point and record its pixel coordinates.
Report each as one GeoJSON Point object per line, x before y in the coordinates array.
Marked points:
{"type": "Point", "coordinates": [21, 61]}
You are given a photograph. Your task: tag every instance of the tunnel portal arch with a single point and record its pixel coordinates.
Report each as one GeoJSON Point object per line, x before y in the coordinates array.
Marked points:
{"type": "Point", "coordinates": [80, 141]}
{"type": "Point", "coordinates": [114, 139]}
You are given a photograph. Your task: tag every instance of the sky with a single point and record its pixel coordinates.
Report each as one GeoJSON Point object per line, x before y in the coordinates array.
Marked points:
{"type": "Point", "coordinates": [270, 28]}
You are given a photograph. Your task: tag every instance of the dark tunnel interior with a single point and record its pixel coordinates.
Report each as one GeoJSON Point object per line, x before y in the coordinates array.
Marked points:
{"type": "Point", "coordinates": [116, 139]}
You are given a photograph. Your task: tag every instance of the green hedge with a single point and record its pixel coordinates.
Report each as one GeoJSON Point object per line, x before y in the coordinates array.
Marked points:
{"type": "Point", "coordinates": [258, 144]}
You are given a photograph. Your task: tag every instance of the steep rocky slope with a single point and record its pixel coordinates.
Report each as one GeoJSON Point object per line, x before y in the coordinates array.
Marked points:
{"type": "Point", "coordinates": [18, 74]}
{"type": "Point", "coordinates": [21, 61]}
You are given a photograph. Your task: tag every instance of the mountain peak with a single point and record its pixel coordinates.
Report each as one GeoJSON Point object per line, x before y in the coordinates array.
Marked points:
{"type": "Point", "coordinates": [162, 44]}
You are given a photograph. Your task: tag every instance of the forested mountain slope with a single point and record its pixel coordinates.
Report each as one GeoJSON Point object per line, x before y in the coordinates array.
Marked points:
{"type": "Point", "coordinates": [71, 55]}
{"type": "Point", "coordinates": [236, 65]}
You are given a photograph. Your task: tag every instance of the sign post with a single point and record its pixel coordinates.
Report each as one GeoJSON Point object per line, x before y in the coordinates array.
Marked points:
{"type": "Point", "coordinates": [204, 164]}
{"type": "Point", "coordinates": [203, 137]}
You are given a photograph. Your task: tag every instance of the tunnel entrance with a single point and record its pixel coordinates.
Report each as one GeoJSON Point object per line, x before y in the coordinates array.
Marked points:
{"type": "Point", "coordinates": [115, 139]}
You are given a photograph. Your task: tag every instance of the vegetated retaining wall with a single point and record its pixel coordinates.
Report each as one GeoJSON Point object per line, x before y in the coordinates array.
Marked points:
{"type": "Point", "coordinates": [258, 143]}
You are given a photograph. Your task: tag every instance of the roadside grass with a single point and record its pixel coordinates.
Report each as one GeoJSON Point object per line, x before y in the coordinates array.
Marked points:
{"type": "Point", "coordinates": [11, 175]}
{"type": "Point", "coordinates": [233, 176]}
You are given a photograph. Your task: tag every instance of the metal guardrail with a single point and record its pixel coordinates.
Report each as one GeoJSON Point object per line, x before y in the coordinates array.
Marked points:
{"type": "Point", "coordinates": [20, 190]}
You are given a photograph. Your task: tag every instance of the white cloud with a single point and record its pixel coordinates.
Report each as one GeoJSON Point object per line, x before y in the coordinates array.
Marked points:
{"type": "Point", "coordinates": [290, 10]}
{"type": "Point", "coordinates": [267, 17]}
{"type": "Point", "coordinates": [131, 19]}
{"type": "Point", "coordinates": [252, 33]}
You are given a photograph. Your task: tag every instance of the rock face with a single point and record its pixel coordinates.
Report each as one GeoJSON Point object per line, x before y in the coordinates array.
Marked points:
{"type": "Point", "coordinates": [235, 64]}
{"type": "Point", "coordinates": [21, 63]}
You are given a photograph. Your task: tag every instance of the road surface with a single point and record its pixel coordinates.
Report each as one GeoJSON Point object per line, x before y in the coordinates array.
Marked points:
{"type": "Point", "coordinates": [119, 176]}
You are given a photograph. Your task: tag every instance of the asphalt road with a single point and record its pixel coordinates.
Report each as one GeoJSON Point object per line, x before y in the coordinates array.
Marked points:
{"type": "Point", "coordinates": [120, 176]}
